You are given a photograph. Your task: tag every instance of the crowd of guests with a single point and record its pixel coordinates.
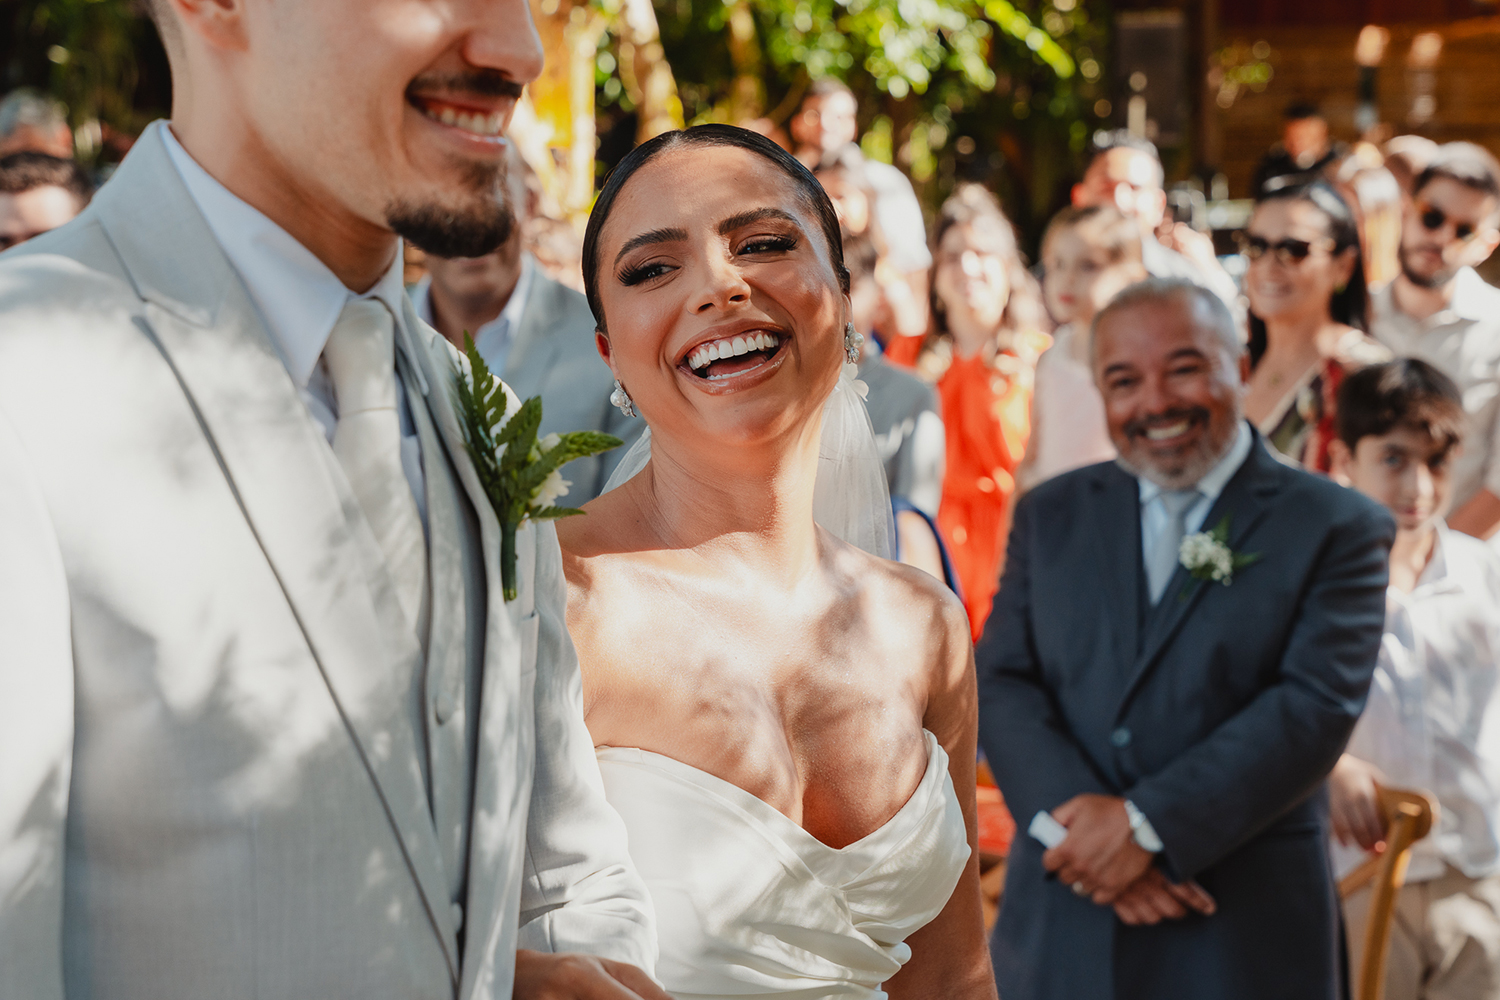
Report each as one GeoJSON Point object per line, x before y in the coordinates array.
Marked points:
{"type": "Point", "coordinates": [1373, 358]}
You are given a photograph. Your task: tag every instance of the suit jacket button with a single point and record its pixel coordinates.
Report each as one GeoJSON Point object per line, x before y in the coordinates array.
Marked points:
{"type": "Point", "coordinates": [1120, 737]}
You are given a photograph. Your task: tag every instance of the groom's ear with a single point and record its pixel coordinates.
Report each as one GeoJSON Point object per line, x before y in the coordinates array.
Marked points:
{"type": "Point", "coordinates": [220, 23]}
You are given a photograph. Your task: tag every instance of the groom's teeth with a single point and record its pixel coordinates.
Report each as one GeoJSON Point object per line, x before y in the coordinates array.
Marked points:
{"type": "Point", "coordinates": [731, 348]}
{"type": "Point", "coordinates": [475, 122]}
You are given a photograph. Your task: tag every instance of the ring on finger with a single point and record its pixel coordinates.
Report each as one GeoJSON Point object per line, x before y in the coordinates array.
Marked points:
{"type": "Point", "coordinates": [1079, 889]}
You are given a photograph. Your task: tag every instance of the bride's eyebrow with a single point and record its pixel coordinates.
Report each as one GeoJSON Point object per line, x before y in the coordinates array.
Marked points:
{"type": "Point", "coordinates": [672, 235]}
{"type": "Point", "coordinates": [755, 215]}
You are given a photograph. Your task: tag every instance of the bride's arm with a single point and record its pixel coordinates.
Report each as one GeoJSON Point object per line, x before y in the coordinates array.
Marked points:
{"type": "Point", "coordinates": [949, 957]}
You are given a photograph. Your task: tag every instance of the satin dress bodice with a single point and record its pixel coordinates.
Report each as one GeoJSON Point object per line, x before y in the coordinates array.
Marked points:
{"type": "Point", "coordinates": [751, 905]}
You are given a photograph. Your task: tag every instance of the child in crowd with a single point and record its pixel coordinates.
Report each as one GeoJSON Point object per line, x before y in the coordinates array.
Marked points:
{"type": "Point", "coordinates": [1089, 255]}
{"type": "Point", "coordinates": [1432, 721]}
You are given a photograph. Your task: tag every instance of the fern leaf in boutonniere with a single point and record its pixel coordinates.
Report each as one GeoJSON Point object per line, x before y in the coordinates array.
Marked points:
{"type": "Point", "coordinates": [1207, 555]}
{"type": "Point", "coordinates": [521, 475]}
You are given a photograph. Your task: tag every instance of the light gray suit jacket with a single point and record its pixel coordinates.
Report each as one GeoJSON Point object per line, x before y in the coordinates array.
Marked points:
{"type": "Point", "coordinates": [554, 357]}
{"type": "Point", "coordinates": [211, 781]}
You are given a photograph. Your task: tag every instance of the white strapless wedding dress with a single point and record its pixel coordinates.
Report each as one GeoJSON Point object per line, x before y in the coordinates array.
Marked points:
{"type": "Point", "coordinates": [750, 905]}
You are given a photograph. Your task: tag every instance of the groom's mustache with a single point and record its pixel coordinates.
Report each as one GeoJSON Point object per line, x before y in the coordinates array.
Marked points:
{"type": "Point", "coordinates": [476, 83]}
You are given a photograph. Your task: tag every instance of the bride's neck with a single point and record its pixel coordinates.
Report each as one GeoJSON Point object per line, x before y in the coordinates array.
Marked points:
{"type": "Point", "coordinates": [753, 506]}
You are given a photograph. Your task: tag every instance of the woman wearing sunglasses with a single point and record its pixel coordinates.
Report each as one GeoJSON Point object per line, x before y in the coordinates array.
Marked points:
{"type": "Point", "coordinates": [1308, 308]}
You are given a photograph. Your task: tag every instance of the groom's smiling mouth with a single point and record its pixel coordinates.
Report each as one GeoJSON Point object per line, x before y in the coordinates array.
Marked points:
{"type": "Point", "coordinates": [464, 116]}
{"type": "Point", "coordinates": [727, 359]}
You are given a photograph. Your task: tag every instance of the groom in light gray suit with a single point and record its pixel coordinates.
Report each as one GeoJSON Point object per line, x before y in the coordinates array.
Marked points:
{"type": "Point", "coordinates": [268, 727]}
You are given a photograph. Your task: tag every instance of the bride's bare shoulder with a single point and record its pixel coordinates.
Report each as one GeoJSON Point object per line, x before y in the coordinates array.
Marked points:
{"type": "Point", "coordinates": [909, 599]}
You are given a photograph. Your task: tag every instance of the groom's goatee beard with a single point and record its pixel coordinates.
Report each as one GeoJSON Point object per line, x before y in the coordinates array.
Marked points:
{"type": "Point", "coordinates": [473, 230]}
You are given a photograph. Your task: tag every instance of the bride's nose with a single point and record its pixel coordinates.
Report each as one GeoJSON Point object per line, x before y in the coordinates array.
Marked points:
{"type": "Point", "coordinates": [723, 286]}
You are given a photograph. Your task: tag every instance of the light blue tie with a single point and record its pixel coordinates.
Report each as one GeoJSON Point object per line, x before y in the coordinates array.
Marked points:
{"type": "Point", "coordinates": [1165, 555]}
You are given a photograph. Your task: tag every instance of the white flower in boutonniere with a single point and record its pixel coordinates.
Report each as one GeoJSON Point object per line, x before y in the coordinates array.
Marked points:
{"type": "Point", "coordinates": [519, 473]}
{"type": "Point", "coordinates": [1207, 555]}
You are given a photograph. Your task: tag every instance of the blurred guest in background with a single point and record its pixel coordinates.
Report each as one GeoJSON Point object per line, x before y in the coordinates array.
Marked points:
{"type": "Point", "coordinates": [1304, 148]}
{"type": "Point", "coordinates": [38, 193]}
{"type": "Point", "coordinates": [1439, 310]}
{"type": "Point", "coordinates": [904, 412]}
{"type": "Point", "coordinates": [534, 333]}
{"type": "Point", "coordinates": [1125, 171]}
{"type": "Point", "coordinates": [1406, 156]}
{"type": "Point", "coordinates": [987, 335]}
{"type": "Point", "coordinates": [34, 122]}
{"type": "Point", "coordinates": [1309, 311]}
{"type": "Point", "coordinates": [1433, 707]}
{"type": "Point", "coordinates": [846, 179]}
{"type": "Point", "coordinates": [823, 128]}
{"type": "Point", "coordinates": [1090, 254]}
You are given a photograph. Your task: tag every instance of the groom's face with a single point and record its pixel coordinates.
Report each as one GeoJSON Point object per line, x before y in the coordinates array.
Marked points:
{"type": "Point", "coordinates": [393, 109]}
{"type": "Point", "coordinates": [1172, 388]}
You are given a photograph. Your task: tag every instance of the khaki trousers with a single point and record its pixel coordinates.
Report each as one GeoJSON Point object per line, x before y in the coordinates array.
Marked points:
{"type": "Point", "coordinates": [1445, 942]}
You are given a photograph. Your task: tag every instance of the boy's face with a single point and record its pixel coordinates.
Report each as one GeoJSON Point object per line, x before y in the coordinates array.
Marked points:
{"type": "Point", "coordinates": [1080, 277]}
{"type": "Point", "coordinates": [1404, 469]}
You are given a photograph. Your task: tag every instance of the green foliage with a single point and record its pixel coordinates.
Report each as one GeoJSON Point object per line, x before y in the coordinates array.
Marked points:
{"type": "Point", "coordinates": [1001, 91]}
{"type": "Point", "coordinates": [512, 464]}
{"type": "Point", "coordinates": [87, 53]}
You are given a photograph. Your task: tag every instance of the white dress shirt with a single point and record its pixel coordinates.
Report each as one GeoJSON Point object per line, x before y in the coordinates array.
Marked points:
{"type": "Point", "coordinates": [495, 338]}
{"type": "Point", "coordinates": [1463, 342]}
{"type": "Point", "coordinates": [1433, 717]}
{"type": "Point", "coordinates": [1154, 515]}
{"type": "Point", "coordinates": [298, 297]}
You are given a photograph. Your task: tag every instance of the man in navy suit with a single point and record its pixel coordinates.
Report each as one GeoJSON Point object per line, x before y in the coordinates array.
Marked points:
{"type": "Point", "coordinates": [1179, 726]}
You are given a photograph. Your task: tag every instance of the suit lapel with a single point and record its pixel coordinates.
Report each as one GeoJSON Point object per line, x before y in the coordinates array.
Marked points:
{"type": "Point", "coordinates": [504, 761]}
{"type": "Point", "coordinates": [283, 475]}
{"type": "Point", "coordinates": [1117, 529]}
{"type": "Point", "coordinates": [1245, 500]}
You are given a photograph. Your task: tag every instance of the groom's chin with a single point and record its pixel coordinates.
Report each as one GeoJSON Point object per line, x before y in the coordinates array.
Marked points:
{"type": "Point", "coordinates": [444, 232]}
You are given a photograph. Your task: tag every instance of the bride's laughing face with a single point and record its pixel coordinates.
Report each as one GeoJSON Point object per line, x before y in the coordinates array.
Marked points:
{"type": "Point", "coordinates": [724, 317]}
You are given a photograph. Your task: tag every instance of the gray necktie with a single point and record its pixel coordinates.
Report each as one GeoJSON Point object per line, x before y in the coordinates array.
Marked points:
{"type": "Point", "coordinates": [361, 359]}
{"type": "Point", "coordinates": [1164, 556]}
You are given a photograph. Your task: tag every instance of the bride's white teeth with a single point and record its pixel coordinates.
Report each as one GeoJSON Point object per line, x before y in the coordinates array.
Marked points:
{"type": "Point", "coordinates": [739, 346]}
{"type": "Point", "coordinates": [719, 350]}
{"type": "Point", "coordinates": [1163, 433]}
{"type": "Point", "coordinates": [713, 352]}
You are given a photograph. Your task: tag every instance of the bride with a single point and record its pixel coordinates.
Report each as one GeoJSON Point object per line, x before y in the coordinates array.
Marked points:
{"type": "Point", "coordinates": [781, 718]}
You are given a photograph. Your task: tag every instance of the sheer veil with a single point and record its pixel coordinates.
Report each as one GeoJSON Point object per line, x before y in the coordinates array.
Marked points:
{"type": "Point", "coordinates": [850, 498]}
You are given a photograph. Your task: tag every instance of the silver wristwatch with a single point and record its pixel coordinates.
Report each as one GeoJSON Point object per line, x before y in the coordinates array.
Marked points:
{"type": "Point", "coordinates": [1141, 830]}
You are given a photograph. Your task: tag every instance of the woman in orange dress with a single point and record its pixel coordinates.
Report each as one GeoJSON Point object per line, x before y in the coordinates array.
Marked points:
{"type": "Point", "coordinates": [987, 335]}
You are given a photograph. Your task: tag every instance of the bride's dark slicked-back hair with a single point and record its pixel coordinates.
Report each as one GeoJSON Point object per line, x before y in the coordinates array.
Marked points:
{"type": "Point", "coordinates": [708, 135]}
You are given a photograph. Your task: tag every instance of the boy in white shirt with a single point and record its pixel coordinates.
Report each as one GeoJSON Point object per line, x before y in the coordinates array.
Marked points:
{"type": "Point", "coordinates": [1433, 717]}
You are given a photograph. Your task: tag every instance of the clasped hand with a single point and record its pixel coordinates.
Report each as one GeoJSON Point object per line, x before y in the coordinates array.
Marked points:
{"type": "Point", "coordinates": [1101, 860]}
{"type": "Point", "coordinates": [544, 976]}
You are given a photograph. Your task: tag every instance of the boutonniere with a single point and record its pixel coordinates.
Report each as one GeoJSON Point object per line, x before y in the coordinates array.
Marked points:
{"type": "Point", "coordinates": [1207, 555]}
{"type": "Point", "coordinates": [520, 474]}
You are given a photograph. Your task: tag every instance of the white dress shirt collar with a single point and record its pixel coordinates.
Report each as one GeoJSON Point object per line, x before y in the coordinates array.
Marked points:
{"type": "Point", "coordinates": [499, 332]}
{"type": "Point", "coordinates": [298, 296]}
{"type": "Point", "coordinates": [1214, 480]}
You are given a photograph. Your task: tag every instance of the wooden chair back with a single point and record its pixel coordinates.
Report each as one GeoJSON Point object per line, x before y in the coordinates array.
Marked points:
{"type": "Point", "coordinates": [1409, 816]}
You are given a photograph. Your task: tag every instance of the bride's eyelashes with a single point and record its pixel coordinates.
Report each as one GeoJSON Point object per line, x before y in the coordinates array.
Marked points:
{"type": "Point", "coordinates": [768, 244]}
{"type": "Point", "coordinates": [638, 273]}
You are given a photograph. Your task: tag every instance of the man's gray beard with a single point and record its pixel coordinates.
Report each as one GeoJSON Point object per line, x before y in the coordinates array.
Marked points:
{"type": "Point", "coordinates": [1194, 469]}
{"type": "Point", "coordinates": [472, 231]}
{"type": "Point", "coordinates": [1437, 280]}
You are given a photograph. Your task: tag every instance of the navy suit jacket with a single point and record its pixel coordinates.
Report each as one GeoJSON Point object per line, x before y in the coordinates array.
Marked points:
{"type": "Point", "coordinates": [1218, 712]}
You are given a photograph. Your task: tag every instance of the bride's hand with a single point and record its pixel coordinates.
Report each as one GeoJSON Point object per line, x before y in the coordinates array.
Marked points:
{"type": "Point", "coordinates": [544, 976]}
